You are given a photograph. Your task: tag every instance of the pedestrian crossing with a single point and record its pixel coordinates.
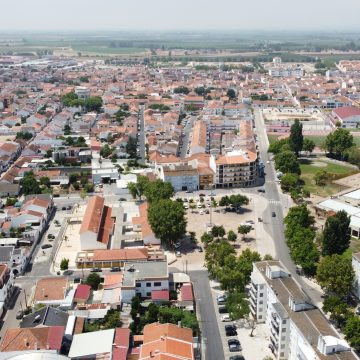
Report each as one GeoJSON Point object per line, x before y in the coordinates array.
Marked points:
{"type": "Point", "coordinates": [272, 201]}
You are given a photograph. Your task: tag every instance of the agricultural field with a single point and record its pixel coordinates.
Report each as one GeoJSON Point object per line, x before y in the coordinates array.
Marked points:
{"type": "Point", "coordinates": [335, 171]}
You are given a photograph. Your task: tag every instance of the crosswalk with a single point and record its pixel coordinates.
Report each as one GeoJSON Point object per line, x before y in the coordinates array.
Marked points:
{"type": "Point", "coordinates": [275, 202]}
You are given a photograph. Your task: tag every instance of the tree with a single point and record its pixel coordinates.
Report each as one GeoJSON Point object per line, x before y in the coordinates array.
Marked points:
{"type": "Point", "coordinates": [224, 201]}
{"type": "Point", "coordinates": [308, 145]}
{"type": "Point", "coordinates": [133, 189]}
{"type": "Point", "coordinates": [218, 231]}
{"type": "Point", "coordinates": [244, 229]}
{"type": "Point", "coordinates": [352, 331]}
{"type": "Point", "coordinates": [338, 309]}
{"type": "Point", "coordinates": [93, 280]}
{"type": "Point", "coordinates": [353, 155]}
{"type": "Point", "coordinates": [216, 253]}
{"type": "Point", "coordinates": [299, 215]}
{"type": "Point", "coordinates": [45, 181]}
{"type": "Point", "coordinates": [279, 145]}
{"type": "Point", "coordinates": [93, 103]}
{"type": "Point", "coordinates": [338, 142]}
{"type": "Point", "coordinates": [231, 94]}
{"type": "Point", "coordinates": [296, 138]}
{"type": "Point", "coordinates": [335, 274]}
{"type": "Point", "coordinates": [287, 162]}
{"type": "Point", "coordinates": [67, 129]}
{"type": "Point", "coordinates": [29, 184]}
{"type": "Point", "coordinates": [24, 135]}
{"type": "Point", "coordinates": [289, 181]}
{"type": "Point", "coordinates": [167, 220]}
{"type": "Point", "coordinates": [231, 236]}
{"type": "Point", "coordinates": [237, 305]}
{"type": "Point", "coordinates": [206, 238]}
{"type": "Point", "coordinates": [64, 264]}
{"type": "Point", "coordinates": [337, 234]}
{"type": "Point", "coordinates": [106, 151]}
{"type": "Point", "coordinates": [321, 177]}
{"type": "Point", "coordinates": [158, 189]}
{"type": "Point", "coordinates": [181, 90]}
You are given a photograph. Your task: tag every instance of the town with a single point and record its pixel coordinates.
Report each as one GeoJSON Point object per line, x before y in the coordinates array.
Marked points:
{"type": "Point", "coordinates": [179, 209]}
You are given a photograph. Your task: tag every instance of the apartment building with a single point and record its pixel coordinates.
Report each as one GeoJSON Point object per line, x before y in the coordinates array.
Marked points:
{"type": "Point", "coordinates": [356, 266]}
{"type": "Point", "coordinates": [298, 330]}
{"type": "Point", "coordinates": [182, 176]}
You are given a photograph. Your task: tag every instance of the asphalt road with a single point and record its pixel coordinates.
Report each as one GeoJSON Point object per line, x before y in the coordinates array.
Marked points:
{"type": "Point", "coordinates": [141, 138]}
{"type": "Point", "coordinates": [185, 141]}
{"type": "Point", "coordinates": [274, 225]}
{"type": "Point", "coordinates": [211, 338]}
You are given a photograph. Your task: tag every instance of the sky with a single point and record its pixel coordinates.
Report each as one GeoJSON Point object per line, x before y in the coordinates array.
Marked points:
{"type": "Point", "coordinates": [84, 15]}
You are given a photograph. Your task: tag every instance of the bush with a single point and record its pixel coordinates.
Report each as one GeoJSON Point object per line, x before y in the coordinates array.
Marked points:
{"type": "Point", "coordinates": [64, 265]}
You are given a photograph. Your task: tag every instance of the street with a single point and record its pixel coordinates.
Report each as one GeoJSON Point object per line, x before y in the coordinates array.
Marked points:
{"type": "Point", "coordinates": [187, 131]}
{"type": "Point", "coordinates": [210, 334]}
{"type": "Point", "coordinates": [141, 137]}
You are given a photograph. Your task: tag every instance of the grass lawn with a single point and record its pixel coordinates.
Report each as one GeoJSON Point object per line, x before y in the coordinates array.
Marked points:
{"type": "Point", "coordinates": [310, 167]}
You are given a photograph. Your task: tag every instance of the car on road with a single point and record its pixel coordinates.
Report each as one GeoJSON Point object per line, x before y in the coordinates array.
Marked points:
{"type": "Point", "coordinates": [273, 214]}
{"type": "Point", "coordinates": [199, 249]}
{"type": "Point", "coordinates": [115, 269]}
{"type": "Point", "coordinates": [230, 330]}
{"type": "Point", "coordinates": [225, 318]}
{"type": "Point", "coordinates": [177, 245]}
{"type": "Point", "coordinates": [19, 315]}
{"type": "Point", "coordinates": [234, 345]}
{"type": "Point", "coordinates": [68, 272]}
{"type": "Point", "coordinates": [63, 208]}
{"type": "Point", "coordinates": [51, 236]}
{"type": "Point", "coordinates": [95, 270]}
{"type": "Point", "coordinates": [222, 309]}
{"type": "Point", "coordinates": [77, 280]}
{"type": "Point", "coordinates": [46, 246]}
{"type": "Point", "coordinates": [178, 254]}
{"type": "Point", "coordinates": [261, 190]}
{"type": "Point", "coordinates": [236, 357]}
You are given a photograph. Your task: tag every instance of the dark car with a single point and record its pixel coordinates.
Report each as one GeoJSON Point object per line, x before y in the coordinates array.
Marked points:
{"type": "Point", "coordinates": [68, 272]}
{"type": "Point", "coordinates": [51, 236]}
{"type": "Point", "coordinates": [94, 270]}
{"type": "Point", "coordinates": [69, 207]}
{"type": "Point", "coordinates": [273, 214]}
{"type": "Point", "coordinates": [236, 357]}
{"type": "Point", "coordinates": [115, 269]}
{"type": "Point", "coordinates": [261, 190]}
{"type": "Point", "coordinates": [230, 330]}
{"type": "Point", "coordinates": [234, 345]}
{"type": "Point", "coordinates": [63, 208]}
{"type": "Point", "coordinates": [77, 280]}
{"type": "Point", "coordinates": [202, 194]}
{"type": "Point", "coordinates": [46, 246]}
{"type": "Point", "coordinates": [223, 309]}
{"type": "Point", "coordinates": [19, 315]}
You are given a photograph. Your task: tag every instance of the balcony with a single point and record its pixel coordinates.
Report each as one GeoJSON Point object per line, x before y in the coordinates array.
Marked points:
{"type": "Point", "coordinates": [275, 325]}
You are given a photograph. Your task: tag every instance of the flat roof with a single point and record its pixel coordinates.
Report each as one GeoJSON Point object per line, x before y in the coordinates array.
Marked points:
{"type": "Point", "coordinates": [144, 270]}
{"type": "Point", "coordinates": [334, 205]}
{"type": "Point", "coordinates": [353, 195]}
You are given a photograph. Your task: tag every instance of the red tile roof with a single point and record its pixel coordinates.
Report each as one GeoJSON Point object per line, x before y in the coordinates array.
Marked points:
{"type": "Point", "coordinates": [82, 292]}
{"type": "Point", "coordinates": [187, 292]}
{"type": "Point", "coordinates": [160, 295]}
{"type": "Point", "coordinates": [347, 111]}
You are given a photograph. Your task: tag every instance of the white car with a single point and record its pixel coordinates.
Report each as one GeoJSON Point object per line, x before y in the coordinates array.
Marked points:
{"type": "Point", "coordinates": [178, 254]}
{"type": "Point", "coordinates": [201, 212]}
{"type": "Point", "coordinates": [225, 318]}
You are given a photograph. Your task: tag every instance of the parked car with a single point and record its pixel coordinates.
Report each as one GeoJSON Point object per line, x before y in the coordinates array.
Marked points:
{"type": "Point", "coordinates": [358, 311]}
{"type": "Point", "coordinates": [225, 318]}
{"type": "Point", "coordinates": [94, 270]}
{"type": "Point", "coordinates": [46, 246]}
{"type": "Point", "coordinates": [177, 245]}
{"type": "Point", "coordinates": [273, 214]}
{"type": "Point", "coordinates": [234, 345]}
{"type": "Point", "coordinates": [222, 309]}
{"type": "Point", "coordinates": [68, 272]}
{"type": "Point", "coordinates": [77, 280]}
{"type": "Point", "coordinates": [221, 301]}
{"type": "Point", "coordinates": [178, 254]}
{"type": "Point", "coordinates": [51, 236]}
{"type": "Point", "coordinates": [199, 249]}
{"type": "Point", "coordinates": [221, 296]}
{"type": "Point", "coordinates": [230, 330]}
{"type": "Point", "coordinates": [115, 269]}
{"type": "Point", "coordinates": [236, 357]}
{"type": "Point", "coordinates": [63, 208]}
{"type": "Point", "coordinates": [19, 315]}
{"type": "Point", "coordinates": [201, 194]}
{"type": "Point", "coordinates": [261, 190]}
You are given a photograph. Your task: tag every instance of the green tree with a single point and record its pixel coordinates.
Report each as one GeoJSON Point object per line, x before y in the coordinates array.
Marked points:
{"type": "Point", "coordinates": [29, 184]}
{"type": "Point", "coordinates": [206, 238]}
{"type": "Point", "coordinates": [106, 151]}
{"type": "Point", "coordinates": [296, 138]}
{"type": "Point", "coordinates": [279, 145]}
{"type": "Point", "coordinates": [289, 181]}
{"type": "Point", "coordinates": [64, 264]}
{"type": "Point", "coordinates": [335, 275]}
{"type": "Point", "coordinates": [181, 90]}
{"type": "Point", "coordinates": [352, 332]}
{"type": "Point", "coordinates": [244, 230]}
{"type": "Point", "coordinates": [158, 189]}
{"type": "Point", "coordinates": [231, 236]}
{"type": "Point", "coordinates": [133, 189]}
{"type": "Point", "coordinates": [321, 177]}
{"type": "Point", "coordinates": [338, 309]}
{"type": "Point", "coordinates": [287, 162]}
{"type": "Point", "coordinates": [93, 103]}
{"type": "Point", "coordinates": [308, 146]}
{"type": "Point", "coordinates": [337, 234]}
{"type": "Point", "coordinates": [45, 181]}
{"type": "Point", "coordinates": [218, 231]}
{"type": "Point", "coordinates": [237, 305]}
{"type": "Point", "coordinates": [93, 280]}
{"type": "Point", "coordinates": [215, 255]}
{"type": "Point", "coordinates": [167, 220]}
{"type": "Point", "coordinates": [338, 142]}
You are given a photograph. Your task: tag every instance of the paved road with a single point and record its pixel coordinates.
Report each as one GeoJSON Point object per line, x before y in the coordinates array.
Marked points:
{"type": "Point", "coordinates": [141, 138]}
{"type": "Point", "coordinates": [187, 132]}
{"type": "Point", "coordinates": [277, 203]}
{"type": "Point", "coordinates": [211, 339]}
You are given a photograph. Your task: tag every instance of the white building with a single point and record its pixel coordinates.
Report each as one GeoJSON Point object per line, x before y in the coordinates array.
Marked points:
{"type": "Point", "coordinates": [141, 278]}
{"type": "Point", "coordinates": [82, 92]}
{"type": "Point", "coordinates": [298, 330]}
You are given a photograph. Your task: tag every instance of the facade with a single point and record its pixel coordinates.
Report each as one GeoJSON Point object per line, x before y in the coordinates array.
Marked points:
{"type": "Point", "coordinates": [82, 92]}
{"type": "Point", "coordinates": [348, 116]}
{"type": "Point", "coordinates": [182, 176]}
{"type": "Point", "coordinates": [298, 330]}
{"type": "Point", "coordinates": [6, 285]}
{"type": "Point", "coordinates": [356, 267]}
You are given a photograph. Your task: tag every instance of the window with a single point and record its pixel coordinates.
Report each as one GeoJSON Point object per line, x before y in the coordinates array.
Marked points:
{"type": "Point", "coordinates": [283, 338]}
{"type": "Point", "coordinates": [261, 302]}
{"type": "Point", "coordinates": [260, 317]}
{"type": "Point", "coordinates": [148, 284]}
{"type": "Point", "coordinates": [284, 321]}
{"type": "Point", "coordinates": [138, 284]}
{"type": "Point", "coordinates": [283, 329]}
{"type": "Point", "coordinates": [261, 294]}
{"type": "Point", "coordinates": [148, 294]}
{"type": "Point", "coordinates": [282, 346]}
{"type": "Point", "coordinates": [282, 354]}
{"type": "Point", "coordinates": [158, 283]}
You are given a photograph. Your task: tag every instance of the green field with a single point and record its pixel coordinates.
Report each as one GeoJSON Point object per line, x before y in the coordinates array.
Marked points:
{"type": "Point", "coordinates": [310, 167]}
{"type": "Point", "coordinates": [107, 50]}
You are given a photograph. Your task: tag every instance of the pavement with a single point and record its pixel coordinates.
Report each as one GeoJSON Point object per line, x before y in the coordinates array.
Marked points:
{"type": "Point", "coordinates": [185, 141]}
{"type": "Point", "coordinates": [210, 336]}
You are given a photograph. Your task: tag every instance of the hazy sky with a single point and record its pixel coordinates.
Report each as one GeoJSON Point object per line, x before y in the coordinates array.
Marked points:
{"type": "Point", "coordinates": [175, 14]}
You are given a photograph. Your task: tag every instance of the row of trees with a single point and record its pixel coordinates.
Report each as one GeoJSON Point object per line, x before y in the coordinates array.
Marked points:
{"type": "Point", "coordinates": [93, 103]}
{"type": "Point", "coordinates": [166, 217]}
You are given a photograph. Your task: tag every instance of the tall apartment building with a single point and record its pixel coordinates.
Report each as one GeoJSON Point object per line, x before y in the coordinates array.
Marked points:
{"type": "Point", "coordinates": [298, 330]}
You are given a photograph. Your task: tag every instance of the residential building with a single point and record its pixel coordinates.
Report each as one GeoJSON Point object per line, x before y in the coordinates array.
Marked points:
{"type": "Point", "coordinates": [297, 329]}
{"type": "Point", "coordinates": [6, 286]}
{"type": "Point", "coordinates": [356, 266]}
{"type": "Point", "coordinates": [349, 117]}
{"type": "Point", "coordinates": [46, 316]}
{"type": "Point", "coordinates": [14, 258]}
{"type": "Point", "coordinates": [97, 226]}
{"type": "Point", "coordinates": [82, 92]}
{"type": "Point", "coordinates": [166, 341]}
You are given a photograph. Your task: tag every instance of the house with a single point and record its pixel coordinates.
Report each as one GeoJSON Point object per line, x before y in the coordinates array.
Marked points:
{"type": "Point", "coordinates": [46, 316]}
{"type": "Point", "coordinates": [297, 329]}
{"type": "Point", "coordinates": [15, 259]}
{"type": "Point", "coordinates": [199, 138]}
{"type": "Point", "coordinates": [104, 344]}
{"type": "Point", "coordinates": [141, 224]}
{"type": "Point", "coordinates": [82, 293]}
{"type": "Point", "coordinates": [348, 116]}
{"type": "Point", "coordinates": [6, 285]}
{"type": "Point", "coordinates": [141, 278]}
{"type": "Point", "coordinates": [9, 190]}
{"type": "Point", "coordinates": [27, 339]}
{"type": "Point", "coordinates": [166, 341]}
{"type": "Point", "coordinates": [54, 291]}
{"type": "Point", "coordinates": [97, 226]}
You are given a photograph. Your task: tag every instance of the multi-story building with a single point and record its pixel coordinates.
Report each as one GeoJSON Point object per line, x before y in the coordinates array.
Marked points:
{"type": "Point", "coordinates": [82, 92]}
{"type": "Point", "coordinates": [356, 267]}
{"type": "Point", "coordinates": [298, 330]}
{"type": "Point", "coordinates": [182, 176]}
{"type": "Point", "coordinates": [6, 285]}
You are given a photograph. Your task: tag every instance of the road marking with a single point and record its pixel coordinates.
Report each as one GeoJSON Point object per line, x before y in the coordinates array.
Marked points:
{"type": "Point", "coordinates": [272, 201]}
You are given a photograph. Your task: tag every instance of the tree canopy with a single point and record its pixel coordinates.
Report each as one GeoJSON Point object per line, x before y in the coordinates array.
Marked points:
{"type": "Point", "coordinates": [287, 162]}
{"type": "Point", "coordinates": [29, 184]}
{"type": "Point", "coordinates": [338, 142]}
{"type": "Point", "coordinates": [237, 305]}
{"type": "Point", "coordinates": [296, 137]}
